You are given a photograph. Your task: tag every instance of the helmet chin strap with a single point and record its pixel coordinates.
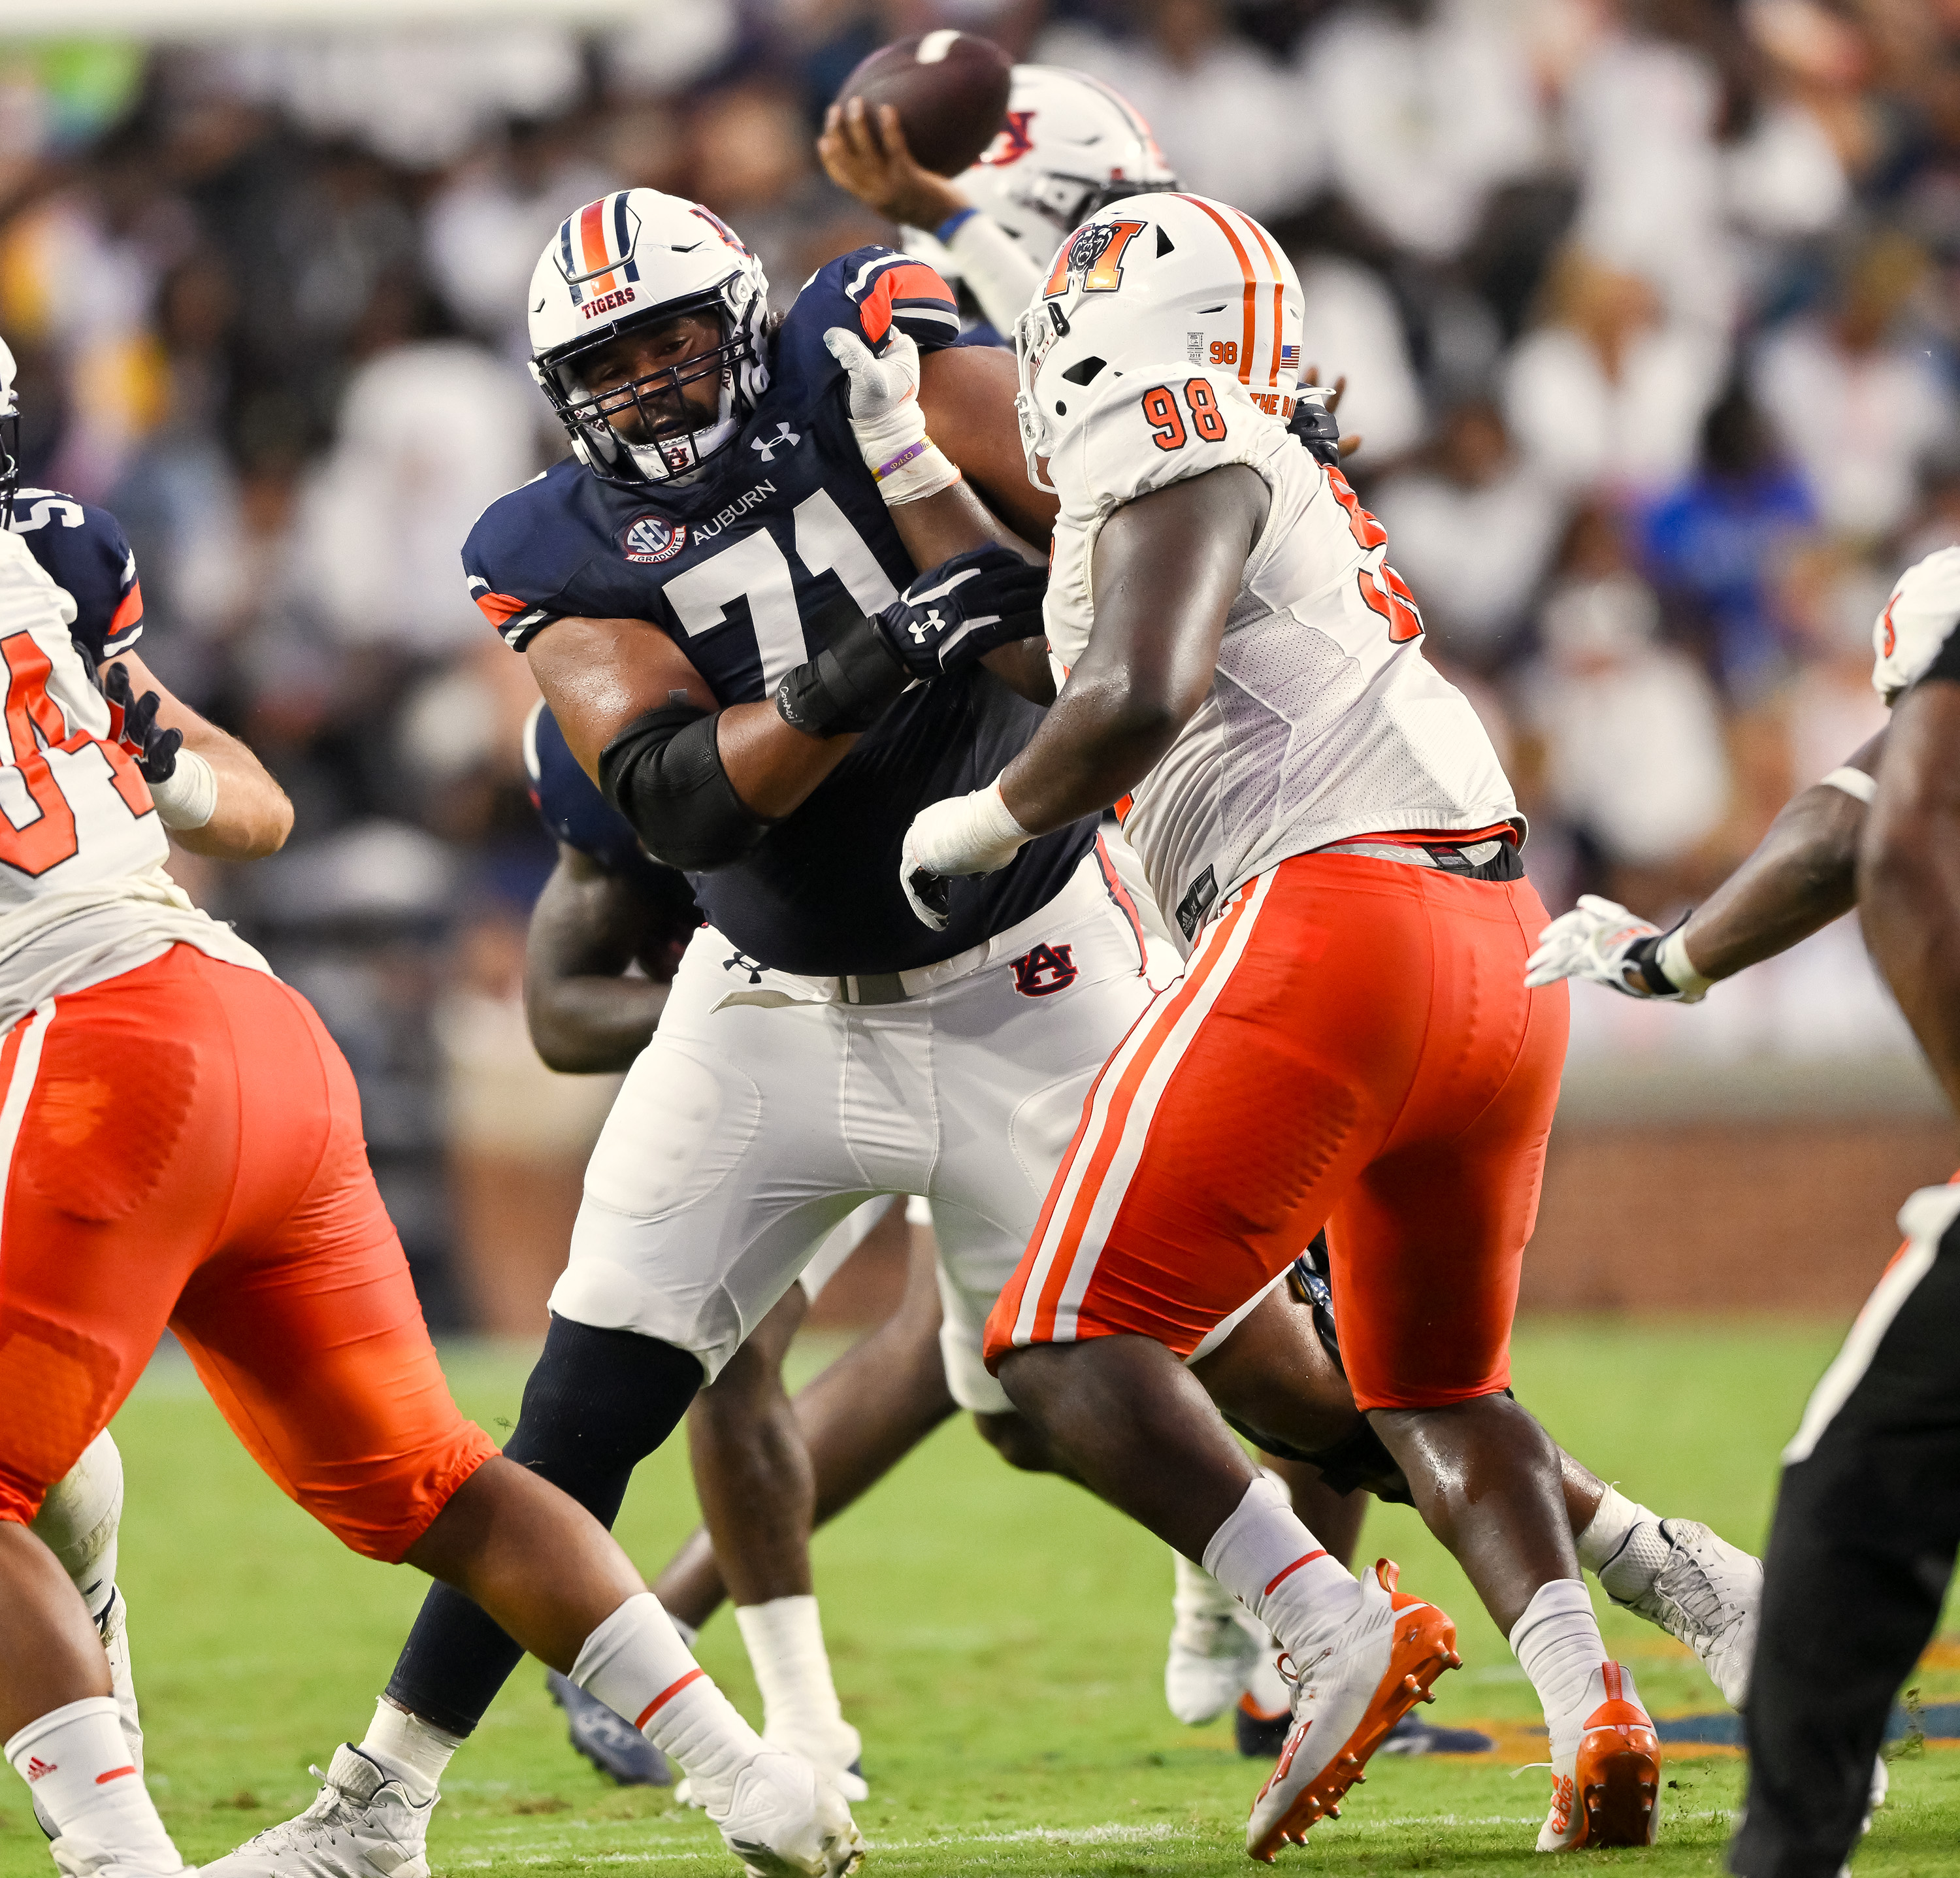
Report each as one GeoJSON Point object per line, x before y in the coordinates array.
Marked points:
{"type": "Point", "coordinates": [653, 465]}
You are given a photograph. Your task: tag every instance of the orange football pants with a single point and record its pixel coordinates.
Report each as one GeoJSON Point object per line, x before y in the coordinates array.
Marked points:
{"type": "Point", "coordinates": [181, 1145]}
{"type": "Point", "coordinates": [1351, 1045]}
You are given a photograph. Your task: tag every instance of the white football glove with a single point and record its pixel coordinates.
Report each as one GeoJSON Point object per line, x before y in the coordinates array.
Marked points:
{"type": "Point", "coordinates": [964, 834]}
{"type": "Point", "coordinates": [1599, 940]}
{"type": "Point", "coordinates": [886, 418]}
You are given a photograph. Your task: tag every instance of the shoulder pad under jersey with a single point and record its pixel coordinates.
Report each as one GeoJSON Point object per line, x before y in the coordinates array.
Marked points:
{"type": "Point", "coordinates": [84, 551]}
{"type": "Point", "coordinates": [1909, 637]}
{"type": "Point", "coordinates": [867, 291]}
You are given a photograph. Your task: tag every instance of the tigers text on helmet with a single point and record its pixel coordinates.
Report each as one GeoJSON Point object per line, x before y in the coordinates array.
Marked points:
{"type": "Point", "coordinates": [10, 436]}
{"type": "Point", "coordinates": [1069, 145]}
{"type": "Point", "coordinates": [626, 263]}
{"type": "Point", "coordinates": [1148, 284]}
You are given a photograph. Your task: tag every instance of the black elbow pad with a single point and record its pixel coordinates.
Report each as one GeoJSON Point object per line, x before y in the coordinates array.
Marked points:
{"type": "Point", "coordinates": [664, 773]}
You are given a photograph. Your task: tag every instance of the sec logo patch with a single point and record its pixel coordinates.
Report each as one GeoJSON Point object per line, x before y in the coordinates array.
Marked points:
{"type": "Point", "coordinates": [653, 538]}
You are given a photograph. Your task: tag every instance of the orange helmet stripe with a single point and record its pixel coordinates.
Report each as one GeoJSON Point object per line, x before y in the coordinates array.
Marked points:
{"type": "Point", "coordinates": [1251, 286]}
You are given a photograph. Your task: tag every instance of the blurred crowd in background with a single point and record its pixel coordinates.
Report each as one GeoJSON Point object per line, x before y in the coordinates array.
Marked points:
{"type": "Point", "coordinates": [1648, 310]}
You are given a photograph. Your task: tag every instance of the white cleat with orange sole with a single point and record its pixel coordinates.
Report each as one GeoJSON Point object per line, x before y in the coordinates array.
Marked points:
{"type": "Point", "coordinates": [1607, 1792]}
{"type": "Point", "coordinates": [1377, 1670]}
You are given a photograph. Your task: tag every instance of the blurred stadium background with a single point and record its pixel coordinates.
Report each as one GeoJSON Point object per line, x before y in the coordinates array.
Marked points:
{"type": "Point", "coordinates": [1651, 312]}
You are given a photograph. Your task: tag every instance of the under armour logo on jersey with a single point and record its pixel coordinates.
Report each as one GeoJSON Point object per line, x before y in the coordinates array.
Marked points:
{"type": "Point", "coordinates": [784, 439]}
{"type": "Point", "coordinates": [1045, 971]}
{"type": "Point", "coordinates": [923, 631]}
{"type": "Point", "coordinates": [739, 962]}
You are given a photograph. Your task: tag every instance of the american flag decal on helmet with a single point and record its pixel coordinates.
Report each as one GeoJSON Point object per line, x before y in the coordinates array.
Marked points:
{"type": "Point", "coordinates": [595, 247]}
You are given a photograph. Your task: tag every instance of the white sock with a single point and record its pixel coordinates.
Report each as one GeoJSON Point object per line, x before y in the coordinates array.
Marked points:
{"type": "Point", "coordinates": [785, 1643]}
{"type": "Point", "coordinates": [79, 1518]}
{"type": "Point", "coordinates": [1559, 1643]}
{"type": "Point", "coordinates": [1606, 1532]}
{"type": "Point", "coordinates": [409, 1749]}
{"type": "Point", "coordinates": [1268, 1559]}
{"type": "Point", "coordinates": [637, 1665]}
{"type": "Point", "coordinates": [76, 1762]}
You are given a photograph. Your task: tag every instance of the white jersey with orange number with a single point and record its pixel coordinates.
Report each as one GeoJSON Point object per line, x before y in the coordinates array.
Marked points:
{"type": "Point", "coordinates": [83, 892]}
{"type": "Point", "coordinates": [1324, 720]}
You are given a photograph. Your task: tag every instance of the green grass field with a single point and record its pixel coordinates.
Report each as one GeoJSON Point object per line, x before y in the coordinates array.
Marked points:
{"type": "Point", "coordinates": [998, 1639]}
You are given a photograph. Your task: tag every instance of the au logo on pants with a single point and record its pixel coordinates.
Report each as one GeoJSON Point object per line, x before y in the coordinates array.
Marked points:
{"type": "Point", "coordinates": [1045, 971]}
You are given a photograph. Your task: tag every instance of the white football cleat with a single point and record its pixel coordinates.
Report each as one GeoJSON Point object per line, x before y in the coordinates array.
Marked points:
{"type": "Point", "coordinates": [1699, 1589]}
{"type": "Point", "coordinates": [77, 1857]}
{"type": "Point", "coordinates": [782, 1819]}
{"type": "Point", "coordinates": [1607, 1791]}
{"type": "Point", "coordinates": [1380, 1664]}
{"type": "Point", "coordinates": [1215, 1646]}
{"type": "Point", "coordinates": [362, 1826]}
{"type": "Point", "coordinates": [837, 1754]}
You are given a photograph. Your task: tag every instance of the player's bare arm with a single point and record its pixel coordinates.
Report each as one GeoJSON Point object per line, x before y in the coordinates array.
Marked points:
{"type": "Point", "coordinates": [1168, 567]}
{"type": "Point", "coordinates": [601, 677]}
{"type": "Point", "coordinates": [1909, 871]}
{"type": "Point", "coordinates": [249, 814]}
{"type": "Point", "coordinates": [586, 1015]}
{"type": "Point", "coordinates": [1801, 876]}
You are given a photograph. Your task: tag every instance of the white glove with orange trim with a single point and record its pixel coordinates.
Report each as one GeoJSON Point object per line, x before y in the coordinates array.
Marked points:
{"type": "Point", "coordinates": [886, 418]}
{"type": "Point", "coordinates": [974, 833]}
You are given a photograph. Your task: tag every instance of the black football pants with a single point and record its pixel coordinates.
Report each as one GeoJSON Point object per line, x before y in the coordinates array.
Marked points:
{"type": "Point", "coordinates": [1862, 1546]}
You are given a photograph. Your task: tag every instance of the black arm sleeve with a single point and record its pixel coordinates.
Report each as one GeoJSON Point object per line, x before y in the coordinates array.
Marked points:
{"type": "Point", "coordinates": [664, 773]}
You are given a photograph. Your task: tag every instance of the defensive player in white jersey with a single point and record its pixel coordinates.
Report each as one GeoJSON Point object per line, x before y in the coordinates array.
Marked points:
{"type": "Point", "coordinates": [1351, 1044]}
{"type": "Point", "coordinates": [181, 1145]}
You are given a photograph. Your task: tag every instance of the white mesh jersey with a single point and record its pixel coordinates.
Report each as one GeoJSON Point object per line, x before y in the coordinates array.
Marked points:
{"type": "Point", "coordinates": [1324, 720]}
{"type": "Point", "coordinates": [83, 892]}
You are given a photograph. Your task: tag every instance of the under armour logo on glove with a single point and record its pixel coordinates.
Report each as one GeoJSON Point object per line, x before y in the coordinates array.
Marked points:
{"type": "Point", "coordinates": [965, 608]}
{"type": "Point", "coordinates": [784, 439]}
{"type": "Point", "coordinates": [735, 962]}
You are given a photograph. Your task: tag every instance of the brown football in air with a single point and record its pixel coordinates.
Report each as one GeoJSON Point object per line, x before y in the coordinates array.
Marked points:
{"type": "Point", "coordinates": [949, 89]}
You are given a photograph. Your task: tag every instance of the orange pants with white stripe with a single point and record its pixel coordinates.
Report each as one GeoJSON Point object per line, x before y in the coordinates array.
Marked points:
{"type": "Point", "coordinates": [181, 1145]}
{"type": "Point", "coordinates": [1350, 1045]}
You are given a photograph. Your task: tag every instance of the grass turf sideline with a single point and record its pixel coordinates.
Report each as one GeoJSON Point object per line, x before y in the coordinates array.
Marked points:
{"type": "Point", "coordinates": [998, 1638]}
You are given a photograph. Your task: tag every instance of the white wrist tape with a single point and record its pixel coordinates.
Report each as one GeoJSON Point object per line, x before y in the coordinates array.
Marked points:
{"type": "Point", "coordinates": [915, 471]}
{"type": "Point", "coordinates": [974, 833]}
{"type": "Point", "coordinates": [188, 797]}
{"type": "Point", "coordinates": [1853, 782]}
{"type": "Point", "coordinates": [1671, 956]}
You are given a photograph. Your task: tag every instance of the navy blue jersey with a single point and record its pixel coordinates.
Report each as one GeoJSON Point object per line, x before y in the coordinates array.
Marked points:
{"type": "Point", "coordinates": [82, 549]}
{"type": "Point", "coordinates": [732, 567]}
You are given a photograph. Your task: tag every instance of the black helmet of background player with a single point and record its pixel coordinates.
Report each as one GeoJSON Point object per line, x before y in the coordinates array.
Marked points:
{"type": "Point", "coordinates": [641, 266]}
{"type": "Point", "coordinates": [10, 436]}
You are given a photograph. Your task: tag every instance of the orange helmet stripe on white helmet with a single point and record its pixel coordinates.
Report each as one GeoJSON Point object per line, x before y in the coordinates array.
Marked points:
{"type": "Point", "coordinates": [1249, 347]}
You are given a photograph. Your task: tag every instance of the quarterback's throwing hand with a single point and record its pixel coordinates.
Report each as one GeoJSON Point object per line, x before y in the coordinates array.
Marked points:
{"type": "Point", "coordinates": [1601, 941]}
{"type": "Point", "coordinates": [975, 833]}
{"type": "Point", "coordinates": [953, 615]}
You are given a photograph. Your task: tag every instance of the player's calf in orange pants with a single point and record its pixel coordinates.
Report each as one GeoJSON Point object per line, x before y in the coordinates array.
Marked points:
{"type": "Point", "coordinates": [1352, 1045]}
{"type": "Point", "coordinates": [181, 1145]}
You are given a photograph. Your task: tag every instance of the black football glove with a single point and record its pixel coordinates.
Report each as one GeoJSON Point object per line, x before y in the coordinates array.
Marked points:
{"type": "Point", "coordinates": [959, 612]}
{"type": "Point", "coordinates": [1316, 427]}
{"type": "Point", "coordinates": [133, 723]}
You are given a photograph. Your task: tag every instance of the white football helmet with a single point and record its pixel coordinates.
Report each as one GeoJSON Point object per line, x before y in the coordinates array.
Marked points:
{"type": "Point", "coordinates": [1152, 284]}
{"type": "Point", "coordinates": [631, 259]}
{"type": "Point", "coordinates": [1070, 145]}
{"type": "Point", "coordinates": [10, 436]}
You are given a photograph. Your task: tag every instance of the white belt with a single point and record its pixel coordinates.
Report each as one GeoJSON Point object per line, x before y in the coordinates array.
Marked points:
{"type": "Point", "coordinates": [1084, 890]}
